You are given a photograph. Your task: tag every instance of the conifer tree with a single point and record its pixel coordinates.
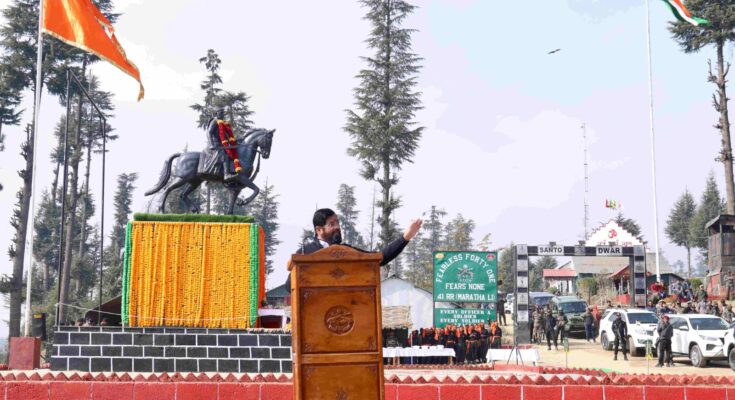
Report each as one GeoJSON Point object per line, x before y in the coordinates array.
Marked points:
{"type": "Point", "coordinates": [13, 285]}
{"type": "Point", "coordinates": [629, 224]}
{"type": "Point", "coordinates": [536, 273]}
{"type": "Point", "coordinates": [348, 213]}
{"type": "Point", "coordinates": [692, 39]}
{"type": "Point", "coordinates": [459, 234]}
{"type": "Point", "coordinates": [265, 211]}
{"type": "Point", "coordinates": [710, 206]}
{"type": "Point", "coordinates": [381, 127]}
{"type": "Point", "coordinates": [677, 226]}
{"type": "Point", "coordinates": [123, 201]}
{"type": "Point", "coordinates": [210, 87]}
{"type": "Point", "coordinates": [432, 240]}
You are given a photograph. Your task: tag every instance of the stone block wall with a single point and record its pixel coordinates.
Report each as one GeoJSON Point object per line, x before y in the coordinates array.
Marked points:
{"type": "Point", "coordinates": [120, 349]}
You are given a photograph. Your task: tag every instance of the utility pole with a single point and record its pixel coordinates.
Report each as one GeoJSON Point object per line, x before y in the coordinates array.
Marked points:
{"type": "Point", "coordinates": [586, 184]}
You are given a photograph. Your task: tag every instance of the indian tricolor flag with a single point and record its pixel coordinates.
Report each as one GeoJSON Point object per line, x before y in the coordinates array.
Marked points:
{"type": "Point", "coordinates": [682, 14]}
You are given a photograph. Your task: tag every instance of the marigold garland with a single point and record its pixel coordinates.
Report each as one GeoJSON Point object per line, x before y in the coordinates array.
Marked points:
{"type": "Point", "coordinates": [193, 274]}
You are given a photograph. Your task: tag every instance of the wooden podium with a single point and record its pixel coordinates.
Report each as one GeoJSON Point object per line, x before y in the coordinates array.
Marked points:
{"type": "Point", "coordinates": [336, 316]}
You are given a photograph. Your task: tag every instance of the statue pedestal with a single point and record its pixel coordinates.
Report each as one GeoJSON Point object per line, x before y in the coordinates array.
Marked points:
{"type": "Point", "coordinates": [336, 318]}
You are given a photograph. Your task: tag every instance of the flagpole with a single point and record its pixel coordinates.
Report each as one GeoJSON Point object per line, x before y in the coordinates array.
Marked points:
{"type": "Point", "coordinates": [653, 139]}
{"type": "Point", "coordinates": [31, 219]}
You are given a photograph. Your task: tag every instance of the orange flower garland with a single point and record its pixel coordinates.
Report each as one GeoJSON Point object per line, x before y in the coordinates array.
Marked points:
{"type": "Point", "coordinates": [193, 274]}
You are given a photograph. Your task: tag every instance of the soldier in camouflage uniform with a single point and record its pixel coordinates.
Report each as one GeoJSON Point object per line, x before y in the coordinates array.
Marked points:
{"type": "Point", "coordinates": [538, 324]}
{"type": "Point", "coordinates": [728, 315]}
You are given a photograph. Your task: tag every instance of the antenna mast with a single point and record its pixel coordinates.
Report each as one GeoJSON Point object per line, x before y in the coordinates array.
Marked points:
{"type": "Point", "coordinates": [586, 183]}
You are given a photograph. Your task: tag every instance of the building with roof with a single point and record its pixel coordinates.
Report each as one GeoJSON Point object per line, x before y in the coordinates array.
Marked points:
{"type": "Point", "coordinates": [395, 291]}
{"type": "Point", "coordinates": [279, 296]}
{"type": "Point", "coordinates": [404, 305]}
{"type": "Point", "coordinates": [563, 280]}
{"type": "Point", "coordinates": [616, 269]}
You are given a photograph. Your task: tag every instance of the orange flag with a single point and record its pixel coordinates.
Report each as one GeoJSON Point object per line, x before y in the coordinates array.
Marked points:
{"type": "Point", "coordinates": [80, 24]}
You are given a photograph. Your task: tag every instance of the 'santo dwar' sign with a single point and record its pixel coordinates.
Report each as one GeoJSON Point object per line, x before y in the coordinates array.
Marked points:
{"type": "Point", "coordinates": [466, 276]}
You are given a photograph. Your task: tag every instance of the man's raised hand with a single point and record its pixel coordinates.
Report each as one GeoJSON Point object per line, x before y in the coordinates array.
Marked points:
{"type": "Point", "coordinates": [412, 229]}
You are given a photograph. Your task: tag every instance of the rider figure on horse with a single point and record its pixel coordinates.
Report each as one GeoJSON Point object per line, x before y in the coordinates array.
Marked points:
{"type": "Point", "coordinates": [223, 141]}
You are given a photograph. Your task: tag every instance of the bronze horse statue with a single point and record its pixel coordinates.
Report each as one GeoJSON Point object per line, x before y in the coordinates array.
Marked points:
{"type": "Point", "coordinates": [189, 175]}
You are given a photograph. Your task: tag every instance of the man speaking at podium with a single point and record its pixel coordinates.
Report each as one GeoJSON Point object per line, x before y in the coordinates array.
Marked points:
{"type": "Point", "coordinates": [327, 233]}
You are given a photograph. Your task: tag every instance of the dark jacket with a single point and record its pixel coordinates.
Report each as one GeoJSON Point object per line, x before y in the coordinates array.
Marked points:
{"type": "Point", "coordinates": [620, 328]}
{"type": "Point", "coordinates": [550, 322]}
{"type": "Point", "coordinates": [665, 331]}
{"type": "Point", "coordinates": [390, 252]}
{"type": "Point", "coordinates": [589, 319]}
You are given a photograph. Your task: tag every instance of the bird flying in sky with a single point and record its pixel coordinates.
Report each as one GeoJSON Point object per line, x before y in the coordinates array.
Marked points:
{"type": "Point", "coordinates": [553, 51]}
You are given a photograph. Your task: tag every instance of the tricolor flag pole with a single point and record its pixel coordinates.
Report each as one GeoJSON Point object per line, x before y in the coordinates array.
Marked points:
{"type": "Point", "coordinates": [31, 218]}
{"type": "Point", "coordinates": [653, 140]}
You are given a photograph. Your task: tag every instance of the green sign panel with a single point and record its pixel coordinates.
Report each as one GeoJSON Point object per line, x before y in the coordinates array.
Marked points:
{"type": "Point", "coordinates": [462, 316]}
{"type": "Point", "coordinates": [466, 276]}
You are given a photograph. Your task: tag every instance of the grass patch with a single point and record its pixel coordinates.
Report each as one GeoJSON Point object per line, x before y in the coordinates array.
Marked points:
{"type": "Point", "coordinates": [237, 219]}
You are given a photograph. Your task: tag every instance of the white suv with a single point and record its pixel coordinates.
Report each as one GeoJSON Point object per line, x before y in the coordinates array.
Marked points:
{"type": "Point", "coordinates": [641, 326]}
{"type": "Point", "coordinates": [701, 337]}
{"type": "Point", "coordinates": [729, 346]}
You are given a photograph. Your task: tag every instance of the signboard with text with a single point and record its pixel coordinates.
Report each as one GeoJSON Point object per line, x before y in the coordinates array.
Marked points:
{"type": "Point", "coordinates": [462, 316]}
{"type": "Point", "coordinates": [466, 276]}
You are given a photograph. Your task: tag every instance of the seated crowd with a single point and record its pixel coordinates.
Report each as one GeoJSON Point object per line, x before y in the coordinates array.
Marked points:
{"type": "Point", "coordinates": [469, 342]}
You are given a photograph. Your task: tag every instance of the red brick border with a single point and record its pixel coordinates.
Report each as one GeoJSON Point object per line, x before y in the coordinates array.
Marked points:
{"type": "Point", "coordinates": [278, 387]}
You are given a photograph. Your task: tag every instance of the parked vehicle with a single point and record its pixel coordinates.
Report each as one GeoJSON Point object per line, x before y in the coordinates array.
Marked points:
{"type": "Point", "coordinates": [701, 337]}
{"type": "Point", "coordinates": [539, 299]}
{"type": "Point", "coordinates": [641, 327]}
{"type": "Point", "coordinates": [573, 308]}
{"type": "Point", "coordinates": [730, 346]}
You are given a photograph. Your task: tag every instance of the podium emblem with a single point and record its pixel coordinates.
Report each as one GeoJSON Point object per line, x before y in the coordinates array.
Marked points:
{"type": "Point", "coordinates": [337, 273]}
{"type": "Point", "coordinates": [339, 320]}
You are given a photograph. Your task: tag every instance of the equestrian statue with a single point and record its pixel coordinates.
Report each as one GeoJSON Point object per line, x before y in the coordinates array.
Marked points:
{"type": "Point", "coordinates": [227, 160]}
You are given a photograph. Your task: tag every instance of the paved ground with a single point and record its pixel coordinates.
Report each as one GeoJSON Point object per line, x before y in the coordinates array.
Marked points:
{"type": "Point", "coordinates": [591, 355]}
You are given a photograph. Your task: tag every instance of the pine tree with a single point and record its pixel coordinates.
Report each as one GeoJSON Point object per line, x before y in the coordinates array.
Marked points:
{"type": "Point", "coordinates": [710, 207]}
{"type": "Point", "coordinates": [536, 274]}
{"type": "Point", "coordinates": [123, 201]}
{"type": "Point", "coordinates": [19, 222]}
{"type": "Point", "coordinates": [18, 39]}
{"type": "Point", "coordinates": [677, 226]}
{"type": "Point", "coordinates": [413, 270]}
{"type": "Point", "coordinates": [46, 241]}
{"type": "Point", "coordinates": [210, 87]}
{"type": "Point", "coordinates": [630, 225]}
{"type": "Point", "coordinates": [459, 234]}
{"type": "Point", "coordinates": [432, 240]}
{"type": "Point", "coordinates": [505, 269]}
{"type": "Point", "coordinates": [265, 211]}
{"type": "Point", "coordinates": [692, 39]}
{"type": "Point", "coordinates": [11, 86]}
{"type": "Point", "coordinates": [381, 127]}
{"type": "Point", "coordinates": [348, 213]}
